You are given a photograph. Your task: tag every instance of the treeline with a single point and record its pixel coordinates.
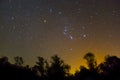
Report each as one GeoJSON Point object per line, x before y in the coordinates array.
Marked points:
{"type": "Point", "coordinates": [56, 69]}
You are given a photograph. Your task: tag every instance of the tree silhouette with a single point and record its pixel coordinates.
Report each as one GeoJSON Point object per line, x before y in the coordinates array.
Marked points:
{"type": "Point", "coordinates": [82, 73]}
{"type": "Point", "coordinates": [58, 69]}
{"type": "Point", "coordinates": [4, 60]}
{"type": "Point", "coordinates": [110, 68]}
{"type": "Point", "coordinates": [41, 67]}
{"type": "Point", "coordinates": [18, 61]}
{"type": "Point", "coordinates": [10, 71]}
{"type": "Point", "coordinates": [89, 73]}
{"type": "Point", "coordinates": [90, 57]}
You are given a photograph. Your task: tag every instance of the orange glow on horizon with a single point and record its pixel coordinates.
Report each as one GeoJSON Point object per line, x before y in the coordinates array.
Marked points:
{"type": "Point", "coordinates": [75, 66]}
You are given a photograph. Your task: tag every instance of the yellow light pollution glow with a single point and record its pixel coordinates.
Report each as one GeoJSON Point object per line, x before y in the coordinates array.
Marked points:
{"type": "Point", "coordinates": [68, 28]}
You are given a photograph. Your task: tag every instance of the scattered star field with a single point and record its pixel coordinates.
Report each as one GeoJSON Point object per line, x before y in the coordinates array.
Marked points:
{"type": "Point", "coordinates": [69, 28]}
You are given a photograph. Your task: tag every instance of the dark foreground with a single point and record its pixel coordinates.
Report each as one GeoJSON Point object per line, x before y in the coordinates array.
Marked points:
{"type": "Point", "coordinates": [58, 70]}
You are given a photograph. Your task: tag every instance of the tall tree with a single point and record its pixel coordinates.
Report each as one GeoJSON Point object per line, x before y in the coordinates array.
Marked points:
{"type": "Point", "coordinates": [58, 69]}
{"type": "Point", "coordinates": [41, 68]}
{"type": "Point", "coordinates": [18, 61]}
{"type": "Point", "coordinates": [110, 68]}
{"type": "Point", "coordinates": [90, 58]}
{"type": "Point", "coordinates": [4, 60]}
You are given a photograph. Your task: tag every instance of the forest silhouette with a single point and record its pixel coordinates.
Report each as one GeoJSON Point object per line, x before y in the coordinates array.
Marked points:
{"type": "Point", "coordinates": [57, 69]}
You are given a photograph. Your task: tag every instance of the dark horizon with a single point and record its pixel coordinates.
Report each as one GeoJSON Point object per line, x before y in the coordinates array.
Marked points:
{"type": "Point", "coordinates": [57, 69]}
{"type": "Point", "coordinates": [71, 71]}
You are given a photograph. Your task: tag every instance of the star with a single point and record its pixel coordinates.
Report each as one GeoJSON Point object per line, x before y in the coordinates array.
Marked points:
{"type": "Point", "coordinates": [59, 12]}
{"type": "Point", "coordinates": [71, 49]}
{"type": "Point", "coordinates": [84, 35]}
{"type": "Point", "coordinates": [12, 18]}
{"type": "Point", "coordinates": [68, 25]}
{"type": "Point", "coordinates": [71, 37]}
{"type": "Point", "coordinates": [51, 10]}
{"type": "Point", "coordinates": [44, 20]}
{"type": "Point", "coordinates": [65, 31]}
{"type": "Point", "coordinates": [83, 27]}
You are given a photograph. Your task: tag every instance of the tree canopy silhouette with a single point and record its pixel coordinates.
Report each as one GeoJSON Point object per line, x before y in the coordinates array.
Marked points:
{"type": "Point", "coordinates": [18, 60]}
{"type": "Point", "coordinates": [57, 69]}
{"type": "Point", "coordinates": [110, 68]}
{"type": "Point", "coordinates": [41, 67]}
{"type": "Point", "coordinates": [90, 57]}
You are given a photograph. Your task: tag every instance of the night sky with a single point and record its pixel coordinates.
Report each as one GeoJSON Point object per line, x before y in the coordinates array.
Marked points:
{"type": "Point", "coordinates": [69, 28]}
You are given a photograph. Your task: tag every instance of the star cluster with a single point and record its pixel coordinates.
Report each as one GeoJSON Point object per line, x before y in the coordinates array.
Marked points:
{"type": "Point", "coordinates": [69, 28]}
